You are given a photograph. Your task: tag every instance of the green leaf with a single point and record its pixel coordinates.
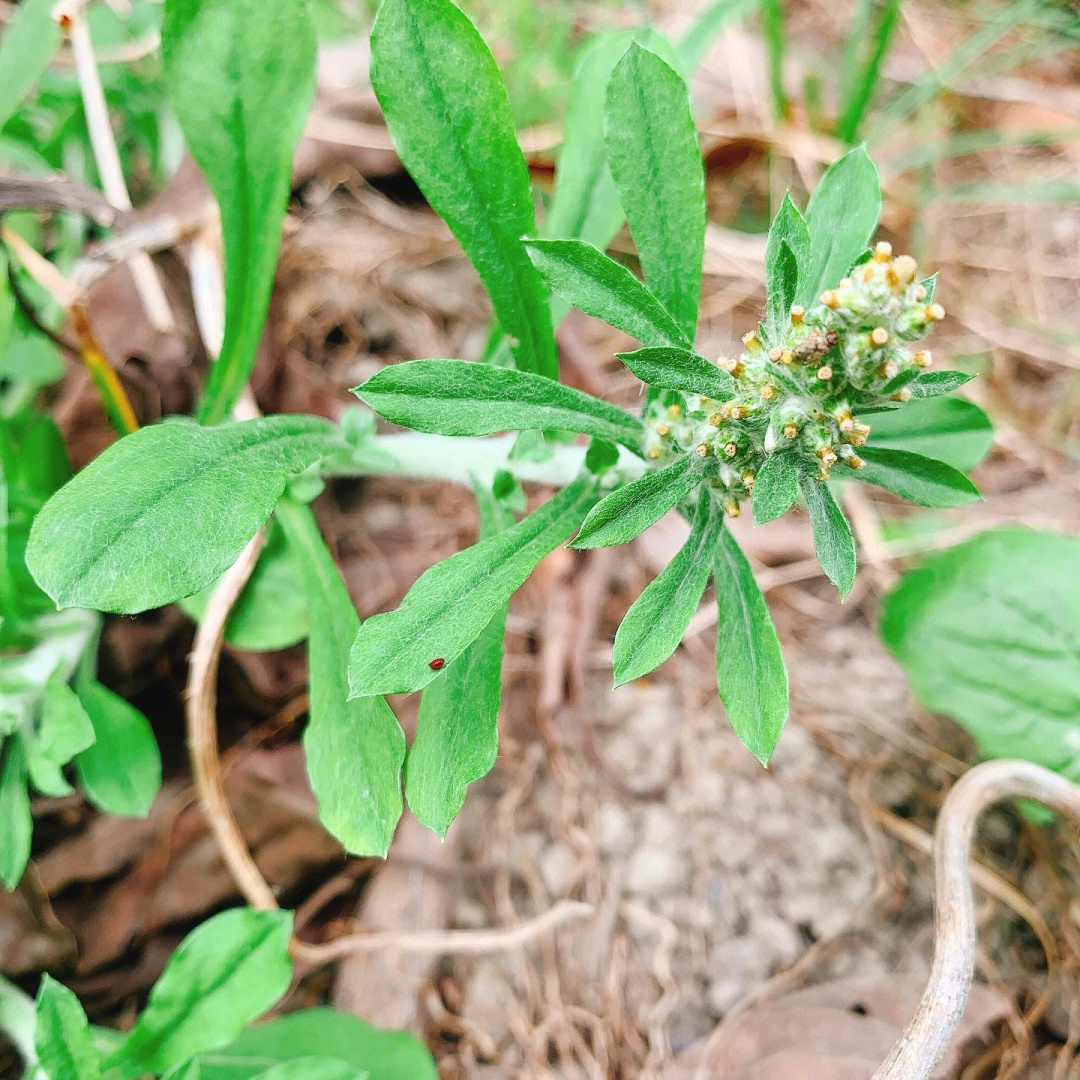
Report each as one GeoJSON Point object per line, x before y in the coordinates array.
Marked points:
{"type": "Point", "coordinates": [312, 1068]}
{"type": "Point", "coordinates": [455, 397]}
{"type": "Point", "coordinates": [630, 509]}
{"type": "Point", "coordinates": [679, 369]}
{"type": "Point", "coordinates": [654, 156]}
{"type": "Point", "coordinates": [833, 542]}
{"type": "Point", "coordinates": [65, 1047]}
{"type": "Point", "coordinates": [121, 771]}
{"type": "Point", "coordinates": [63, 731]}
{"type": "Point", "coordinates": [64, 1043]}
{"type": "Point", "coordinates": [29, 42]}
{"type": "Point", "coordinates": [989, 634]}
{"type": "Point", "coordinates": [859, 94]}
{"type": "Point", "coordinates": [776, 487]}
{"type": "Point", "coordinates": [586, 278]}
{"type": "Point", "coordinates": [271, 612]}
{"type": "Point", "coordinates": [657, 619]}
{"type": "Point", "coordinates": [381, 1055]}
{"type": "Point", "coordinates": [240, 76]}
{"type": "Point", "coordinates": [14, 813]}
{"type": "Point", "coordinates": [449, 116]}
{"type": "Point", "coordinates": [952, 430]}
{"type": "Point", "coordinates": [787, 262]}
{"type": "Point", "coordinates": [457, 725]}
{"type": "Point", "coordinates": [930, 384]}
{"type": "Point", "coordinates": [750, 673]}
{"type": "Point", "coordinates": [165, 511]}
{"type": "Point", "coordinates": [354, 749]}
{"type": "Point", "coordinates": [454, 600]}
{"type": "Point", "coordinates": [842, 215]}
{"type": "Point", "coordinates": [223, 975]}
{"type": "Point", "coordinates": [600, 456]}
{"type": "Point", "coordinates": [918, 479]}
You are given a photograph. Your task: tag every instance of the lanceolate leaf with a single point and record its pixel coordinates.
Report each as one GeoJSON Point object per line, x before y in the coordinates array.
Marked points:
{"type": "Point", "coordinates": [783, 272]}
{"type": "Point", "coordinates": [450, 119]}
{"type": "Point", "coordinates": [679, 369]}
{"type": "Point", "coordinates": [240, 76]}
{"type": "Point", "coordinates": [632, 508]}
{"type": "Point", "coordinates": [842, 215]}
{"type": "Point", "coordinates": [655, 158]}
{"type": "Point", "coordinates": [586, 278]}
{"type": "Point", "coordinates": [354, 749]}
{"type": "Point", "coordinates": [453, 601]}
{"type": "Point", "coordinates": [776, 488]}
{"type": "Point", "coordinates": [952, 430]}
{"type": "Point", "coordinates": [457, 725]}
{"type": "Point", "coordinates": [454, 397]}
{"type": "Point", "coordinates": [750, 672]}
{"type": "Point", "coordinates": [654, 625]}
{"type": "Point", "coordinates": [930, 384]}
{"type": "Point", "coordinates": [918, 479]}
{"type": "Point", "coordinates": [166, 510]}
{"type": "Point", "coordinates": [14, 813]}
{"type": "Point", "coordinates": [121, 772]}
{"type": "Point", "coordinates": [64, 1045]}
{"type": "Point", "coordinates": [833, 541]}
{"type": "Point", "coordinates": [223, 975]}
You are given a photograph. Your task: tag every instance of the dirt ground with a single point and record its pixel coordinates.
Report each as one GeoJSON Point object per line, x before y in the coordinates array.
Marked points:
{"type": "Point", "coordinates": [703, 895]}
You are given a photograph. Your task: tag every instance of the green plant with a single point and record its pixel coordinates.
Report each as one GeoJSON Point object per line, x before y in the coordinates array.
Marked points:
{"type": "Point", "coordinates": [195, 1025]}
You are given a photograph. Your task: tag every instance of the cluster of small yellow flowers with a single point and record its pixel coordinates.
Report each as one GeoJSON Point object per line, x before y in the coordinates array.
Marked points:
{"type": "Point", "coordinates": [801, 388]}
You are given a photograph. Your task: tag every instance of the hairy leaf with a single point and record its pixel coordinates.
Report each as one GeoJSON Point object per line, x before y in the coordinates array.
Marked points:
{"type": "Point", "coordinates": [379, 1055]}
{"type": "Point", "coordinates": [841, 216]}
{"type": "Point", "coordinates": [654, 156]}
{"type": "Point", "coordinates": [240, 76]}
{"type": "Point", "coordinates": [929, 384]}
{"type": "Point", "coordinates": [632, 508]}
{"type": "Point", "coordinates": [776, 488]}
{"type": "Point", "coordinates": [121, 771]}
{"type": "Point", "coordinates": [354, 749]}
{"type": "Point", "coordinates": [452, 602]}
{"type": "Point", "coordinates": [64, 1045]}
{"type": "Point", "coordinates": [14, 813]}
{"type": "Point", "coordinates": [455, 397]}
{"type": "Point", "coordinates": [787, 261]}
{"type": "Point", "coordinates": [750, 673]}
{"type": "Point", "coordinates": [833, 541]}
{"type": "Point", "coordinates": [952, 430]}
{"type": "Point", "coordinates": [457, 724]}
{"type": "Point", "coordinates": [586, 278]}
{"type": "Point", "coordinates": [653, 627]}
{"type": "Point", "coordinates": [165, 511]}
{"type": "Point", "coordinates": [679, 369]}
{"type": "Point", "coordinates": [449, 116]}
{"type": "Point", "coordinates": [223, 975]}
{"type": "Point", "coordinates": [989, 634]}
{"type": "Point", "coordinates": [918, 479]}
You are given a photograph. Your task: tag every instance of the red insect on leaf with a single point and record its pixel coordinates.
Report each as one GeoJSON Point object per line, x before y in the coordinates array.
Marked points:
{"type": "Point", "coordinates": [436, 664]}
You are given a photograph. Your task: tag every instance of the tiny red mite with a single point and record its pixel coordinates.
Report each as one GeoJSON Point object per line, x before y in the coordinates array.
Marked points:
{"type": "Point", "coordinates": [437, 663]}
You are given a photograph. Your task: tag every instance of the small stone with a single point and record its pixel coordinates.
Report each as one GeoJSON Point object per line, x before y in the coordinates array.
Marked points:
{"type": "Point", "coordinates": [655, 871]}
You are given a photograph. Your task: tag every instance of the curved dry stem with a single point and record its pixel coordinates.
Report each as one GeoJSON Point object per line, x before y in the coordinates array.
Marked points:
{"type": "Point", "coordinates": [929, 1032]}
{"type": "Point", "coordinates": [202, 728]}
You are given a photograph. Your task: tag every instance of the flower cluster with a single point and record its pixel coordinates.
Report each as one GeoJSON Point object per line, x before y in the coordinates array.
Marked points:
{"type": "Point", "coordinates": [800, 388]}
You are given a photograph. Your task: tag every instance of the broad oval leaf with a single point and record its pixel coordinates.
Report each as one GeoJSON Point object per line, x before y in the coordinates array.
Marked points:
{"type": "Point", "coordinates": [776, 487]}
{"type": "Point", "coordinates": [455, 397]}
{"type": "Point", "coordinates": [449, 116]}
{"type": "Point", "coordinates": [679, 369]}
{"type": "Point", "coordinates": [833, 542]}
{"type": "Point", "coordinates": [952, 430]}
{"type": "Point", "coordinates": [841, 216]}
{"type": "Point", "coordinates": [240, 76]}
{"type": "Point", "coordinates": [223, 975]}
{"type": "Point", "coordinates": [750, 673]}
{"type": "Point", "coordinates": [918, 479]}
{"type": "Point", "coordinates": [630, 509]}
{"type": "Point", "coordinates": [654, 156]}
{"type": "Point", "coordinates": [354, 749]}
{"type": "Point", "coordinates": [65, 1047]}
{"type": "Point", "coordinates": [599, 286]}
{"type": "Point", "coordinates": [989, 634]}
{"type": "Point", "coordinates": [121, 771]}
{"type": "Point", "coordinates": [451, 603]}
{"type": "Point", "coordinates": [165, 511]}
{"type": "Point", "coordinates": [376, 1054]}
{"type": "Point", "coordinates": [653, 627]}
